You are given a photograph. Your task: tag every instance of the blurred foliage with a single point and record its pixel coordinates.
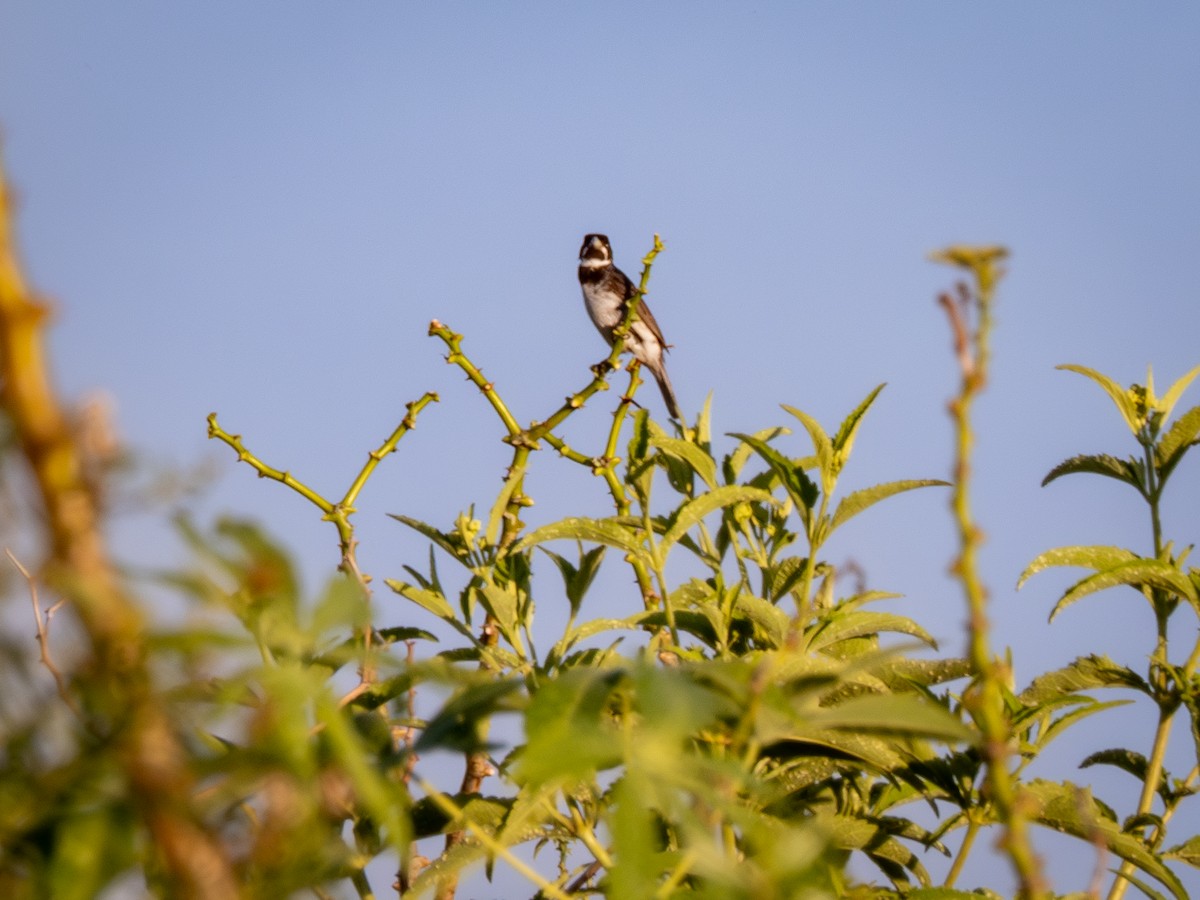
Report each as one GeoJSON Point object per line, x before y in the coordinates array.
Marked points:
{"type": "Point", "coordinates": [739, 724]}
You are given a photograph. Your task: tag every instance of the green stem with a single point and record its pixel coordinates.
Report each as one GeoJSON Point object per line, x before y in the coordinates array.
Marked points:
{"type": "Point", "coordinates": [985, 696]}
{"type": "Point", "coordinates": [964, 850]}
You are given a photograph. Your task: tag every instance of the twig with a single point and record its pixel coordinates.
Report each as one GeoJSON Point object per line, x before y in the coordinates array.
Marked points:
{"type": "Point", "coordinates": [43, 637]}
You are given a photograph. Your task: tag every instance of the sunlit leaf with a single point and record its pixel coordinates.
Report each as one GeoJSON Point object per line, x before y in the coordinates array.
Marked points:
{"type": "Point", "coordinates": [695, 510]}
{"type": "Point", "coordinates": [1177, 441]}
{"type": "Point", "coordinates": [844, 626]}
{"type": "Point", "coordinates": [843, 441]}
{"type": "Point", "coordinates": [1072, 810]}
{"type": "Point", "coordinates": [1119, 396]}
{"type": "Point", "coordinates": [822, 446]}
{"type": "Point", "coordinates": [1129, 471]}
{"type": "Point", "coordinates": [1140, 573]}
{"type": "Point", "coordinates": [1175, 391]}
{"type": "Point", "coordinates": [1082, 674]}
{"type": "Point", "coordinates": [687, 452]}
{"type": "Point", "coordinates": [734, 462]}
{"type": "Point", "coordinates": [1187, 852]}
{"type": "Point", "coordinates": [595, 531]}
{"type": "Point", "coordinates": [428, 600]}
{"type": "Point", "coordinates": [854, 503]}
{"type": "Point", "coordinates": [799, 486]}
{"type": "Point", "coordinates": [1085, 557]}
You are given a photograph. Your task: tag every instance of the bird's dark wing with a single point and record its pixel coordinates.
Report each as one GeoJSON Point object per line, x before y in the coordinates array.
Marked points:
{"type": "Point", "coordinates": [644, 314]}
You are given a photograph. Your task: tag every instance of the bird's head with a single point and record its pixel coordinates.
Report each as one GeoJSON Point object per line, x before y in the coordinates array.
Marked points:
{"type": "Point", "coordinates": [595, 252]}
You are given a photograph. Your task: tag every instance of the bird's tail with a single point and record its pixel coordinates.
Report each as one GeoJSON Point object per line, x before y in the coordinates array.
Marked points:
{"type": "Point", "coordinates": [668, 392]}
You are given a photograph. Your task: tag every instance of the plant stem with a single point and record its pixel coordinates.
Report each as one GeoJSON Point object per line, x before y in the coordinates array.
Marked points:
{"type": "Point", "coordinates": [985, 696]}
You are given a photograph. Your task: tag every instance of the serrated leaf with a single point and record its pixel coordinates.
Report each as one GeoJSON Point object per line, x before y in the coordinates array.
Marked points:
{"type": "Point", "coordinates": [1187, 852]}
{"type": "Point", "coordinates": [1082, 674]}
{"type": "Point", "coordinates": [1177, 441]}
{"type": "Point", "coordinates": [767, 618]}
{"type": "Point", "coordinates": [1125, 760]}
{"type": "Point", "coordinates": [843, 626]}
{"type": "Point", "coordinates": [843, 441]}
{"type": "Point", "coordinates": [737, 459]}
{"type": "Point", "coordinates": [1128, 471]}
{"type": "Point", "coordinates": [866, 836]}
{"type": "Point", "coordinates": [687, 452]}
{"type": "Point", "coordinates": [822, 446]}
{"type": "Point", "coordinates": [798, 485]}
{"type": "Point", "coordinates": [1119, 396]}
{"type": "Point", "coordinates": [1140, 573]}
{"type": "Point", "coordinates": [854, 503]}
{"type": "Point", "coordinates": [577, 580]}
{"type": "Point", "coordinates": [1085, 557]}
{"type": "Point", "coordinates": [596, 531]}
{"type": "Point", "coordinates": [1071, 810]}
{"type": "Point", "coordinates": [694, 510]}
{"type": "Point", "coordinates": [433, 534]}
{"type": "Point", "coordinates": [1081, 710]}
{"type": "Point", "coordinates": [430, 601]}
{"type": "Point", "coordinates": [926, 672]}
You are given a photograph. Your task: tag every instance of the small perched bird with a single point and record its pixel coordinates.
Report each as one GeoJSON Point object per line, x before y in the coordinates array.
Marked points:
{"type": "Point", "coordinates": [606, 294]}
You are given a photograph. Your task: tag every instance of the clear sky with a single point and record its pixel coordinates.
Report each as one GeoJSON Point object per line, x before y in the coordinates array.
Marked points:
{"type": "Point", "coordinates": [257, 208]}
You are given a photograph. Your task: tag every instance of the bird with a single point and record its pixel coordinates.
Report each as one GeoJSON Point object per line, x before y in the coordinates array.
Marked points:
{"type": "Point", "coordinates": [606, 294]}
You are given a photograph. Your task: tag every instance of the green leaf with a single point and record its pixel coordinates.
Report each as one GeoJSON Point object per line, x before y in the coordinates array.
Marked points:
{"type": "Point", "coordinates": [1175, 391]}
{"type": "Point", "coordinates": [569, 731]}
{"type": "Point", "coordinates": [451, 547]}
{"type": "Point", "coordinates": [91, 845]}
{"type": "Point", "coordinates": [769, 620]}
{"type": "Point", "coordinates": [430, 601]}
{"type": "Point", "coordinates": [1187, 852]}
{"type": "Point", "coordinates": [1129, 471]}
{"type": "Point", "coordinates": [596, 531]}
{"type": "Point", "coordinates": [823, 447]}
{"type": "Point", "coordinates": [842, 626]}
{"type": "Point", "coordinates": [1085, 557]}
{"type": "Point", "coordinates": [799, 486]}
{"type": "Point", "coordinates": [893, 714]}
{"type": "Point", "coordinates": [734, 462]}
{"type": "Point", "coordinates": [843, 441]}
{"type": "Point", "coordinates": [1072, 810]}
{"type": "Point", "coordinates": [695, 510]}
{"type": "Point", "coordinates": [1177, 441]}
{"type": "Point", "coordinates": [462, 723]}
{"type": "Point", "coordinates": [1121, 397]}
{"type": "Point", "coordinates": [865, 835]}
{"type": "Point", "coordinates": [576, 581]}
{"type": "Point", "coordinates": [1082, 674]}
{"type": "Point", "coordinates": [1140, 573]}
{"type": "Point", "coordinates": [1125, 760]}
{"type": "Point", "coordinates": [857, 501]}
{"type": "Point", "coordinates": [404, 633]}
{"type": "Point", "coordinates": [502, 604]}
{"type": "Point", "coordinates": [687, 452]}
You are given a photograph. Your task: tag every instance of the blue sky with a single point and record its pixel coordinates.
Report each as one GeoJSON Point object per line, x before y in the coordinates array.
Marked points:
{"type": "Point", "coordinates": [257, 209]}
